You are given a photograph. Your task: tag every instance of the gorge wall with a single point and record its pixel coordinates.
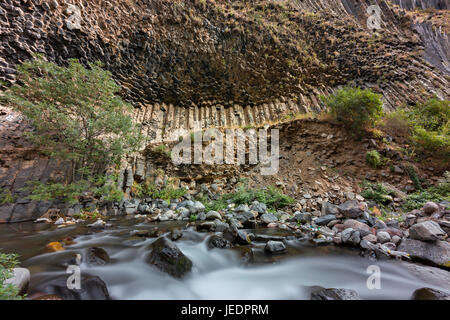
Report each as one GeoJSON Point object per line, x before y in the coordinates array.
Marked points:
{"type": "Point", "coordinates": [228, 63]}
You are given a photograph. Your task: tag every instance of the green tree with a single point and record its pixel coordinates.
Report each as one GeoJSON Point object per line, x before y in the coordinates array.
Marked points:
{"type": "Point", "coordinates": [76, 113]}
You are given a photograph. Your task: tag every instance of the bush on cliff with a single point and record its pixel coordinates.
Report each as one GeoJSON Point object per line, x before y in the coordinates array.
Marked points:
{"type": "Point", "coordinates": [356, 108]}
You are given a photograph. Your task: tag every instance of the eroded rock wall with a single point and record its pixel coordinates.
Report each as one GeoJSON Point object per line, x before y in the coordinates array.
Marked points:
{"type": "Point", "coordinates": [225, 63]}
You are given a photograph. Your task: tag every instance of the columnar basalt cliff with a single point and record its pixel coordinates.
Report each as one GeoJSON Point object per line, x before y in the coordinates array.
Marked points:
{"type": "Point", "coordinates": [229, 63]}
{"type": "Point", "coordinates": [232, 63]}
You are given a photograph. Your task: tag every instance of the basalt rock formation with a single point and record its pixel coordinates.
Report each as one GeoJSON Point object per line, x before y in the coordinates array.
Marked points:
{"type": "Point", "coordinates": [202, 63]}
{"type": "Point", "coordinates": [233, 62]}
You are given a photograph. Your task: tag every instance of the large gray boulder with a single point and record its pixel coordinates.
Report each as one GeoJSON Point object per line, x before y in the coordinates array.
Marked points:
{"type": "Point", "coordinates": [351, 209]}
{"type": "Point", "coordinates": [427, 231]}
{"type": "Point", "coordinates": [167, 257]}
{"type": "Point", "coordinates": [437, 253]}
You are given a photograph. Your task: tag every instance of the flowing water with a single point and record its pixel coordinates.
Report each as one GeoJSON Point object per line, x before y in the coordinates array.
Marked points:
{"type": "Point", "coordinates": [216, 274]}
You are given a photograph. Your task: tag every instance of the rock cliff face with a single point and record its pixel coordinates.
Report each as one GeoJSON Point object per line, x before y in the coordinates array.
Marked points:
{"type": "Point", "coordinates": [233, 62]}
{"type": "Point", "coordinates": [226, 63]}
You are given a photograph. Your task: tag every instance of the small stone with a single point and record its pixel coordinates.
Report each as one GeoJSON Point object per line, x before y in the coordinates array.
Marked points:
{"type": "Point", "coordinates": [274, 247]}
{"type": "Point", "coordinates": [212, 215]}
{"type": "Point", "coordinates": [383, 236]}
{"type": "Point", "coordinates": [268, 218]}
{"type": "Point", "coordinates": [396, 240]}
{"type": "Point", "coordinates": [430, 208]}
{"type": "Point", "coordinates": [324, 220]}
{"type": "Point", "coordinates": [371, 238]}
{"type": "Point", "coordinates": [59, 221]}
{"type": "Point", "coordinates": [335, 294]}
{"type": "Point", "coordinates": [55, 246]}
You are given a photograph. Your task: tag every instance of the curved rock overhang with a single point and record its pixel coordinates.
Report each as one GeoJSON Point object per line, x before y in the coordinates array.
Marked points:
{"type": "Point", "coordinates": [233, 63]}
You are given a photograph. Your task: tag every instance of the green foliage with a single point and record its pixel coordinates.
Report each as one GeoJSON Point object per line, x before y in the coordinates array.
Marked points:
{"type": "Point", "coordinates": [49, 191]}
{"type": "Point", "coordinates": [193, 217]}
{"type": "Point", "coordinates": [148, 189]}
{"type": "Point", "coordinates": [414, 177]}
{"type": "Point", "coordinates": [378, 193]}
{"type": "Point", "coordinates": [168, 193]}
{"type": "Point", "coordinates": [88, 215]}
{"type": "Point", "coordinates": [436, 193]}
{"type": "Point", "coordinates": [358, 109]}
{"type": "Point", "coordinates": [426, 125]}
{"type": "Point", "coordinates": [75, 112]}
{"type": "Point", "coordinates": [7, 263]}
{"type": "Point", "coordinates": [163, 150]}
{"type": "Point", "coordinates": [374, 159]}
{"type": "Point", "coordinates": [100, 185]}
{"type": "Point", "coordinates": [6, 197]}
{"type": "Point", "coordinates": [433, 115]}
{"type": "Point", "coordinates": [271, 196]}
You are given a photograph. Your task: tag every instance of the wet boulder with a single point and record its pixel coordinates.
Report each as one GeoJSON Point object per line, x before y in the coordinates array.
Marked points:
{"type": "Point", "coordinates": [235, 235]}
{"type": "Point", "coordinates": [274, 247]}
{"type": "Point", "coordinates": [91, 288]}
{"type": "Point", "coordinates": [246, 218]}
{"type": "Point", "coordinates": [167, 257]}
{"type": "Point", "coordinates": [429, 294]}
{"type": "Point", "coordinates": [334, 294]}
{"type": "Point", "coordinates": [176, 234]}
{"type": "Point", "coordinates": [96, 256]}
{"type": "Point", "coordinates": [216, 241]}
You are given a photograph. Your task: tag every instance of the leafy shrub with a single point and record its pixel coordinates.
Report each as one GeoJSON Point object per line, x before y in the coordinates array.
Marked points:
{"type": "Point", "coordinates": [378, 193]}
{"type": "Point", "coordinates": [437, 193]}
{"type": "Point", "coordinates": [271, 196]}
{"type": "Point", "coordinates": [6, 197]}
{"type": "Point", "coordinates": [426, 125]}
{"type": "Point", "coordinates": [7, 263]}
{"type": "Point", "coordinates": [50, 191]}
{"type": "Point", "coordinates": [433, 115]}
{"type": "Point", "coordinates": [374, 159]}
{"type": "Point", "coordinates": [149, 189]}
{"type": "Point", "coordinates": [358, 109]}
{"type": "Point", "coordinates": [414, 177]}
